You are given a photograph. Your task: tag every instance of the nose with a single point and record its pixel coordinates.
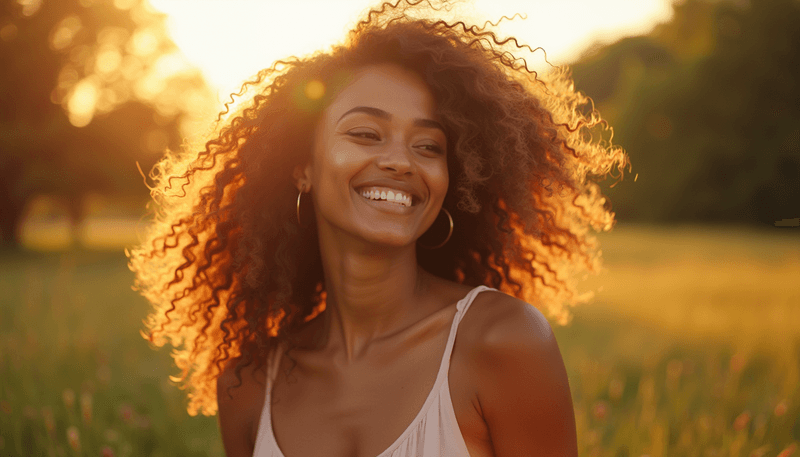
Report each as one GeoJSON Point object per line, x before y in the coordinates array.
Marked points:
{"type": "Point", "coordinates": [396, 158]}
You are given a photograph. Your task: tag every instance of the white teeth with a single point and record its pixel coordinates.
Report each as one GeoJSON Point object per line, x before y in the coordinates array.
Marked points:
{"type": "Point", "coordinates": [390, 196]}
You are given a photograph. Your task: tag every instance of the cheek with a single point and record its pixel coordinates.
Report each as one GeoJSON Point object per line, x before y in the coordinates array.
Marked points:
{"type": "Point", "coordinates": [440, 180]}
{"type": "Point", "coordinates": [344, 156]}
{"type": "Point", "coordinates": [337, 162]}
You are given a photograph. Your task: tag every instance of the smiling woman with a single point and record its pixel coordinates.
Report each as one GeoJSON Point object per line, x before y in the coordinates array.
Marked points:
{"type": "Point", "coordinates": [315, 261]}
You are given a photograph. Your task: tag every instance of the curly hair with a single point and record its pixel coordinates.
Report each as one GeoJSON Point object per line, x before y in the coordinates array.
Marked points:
{"type": "Point", "coordinates": [230, 271]}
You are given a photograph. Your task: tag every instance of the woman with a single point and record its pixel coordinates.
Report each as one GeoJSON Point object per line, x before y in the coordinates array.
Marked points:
{"type": "Point", "coordinates": [315, 261]}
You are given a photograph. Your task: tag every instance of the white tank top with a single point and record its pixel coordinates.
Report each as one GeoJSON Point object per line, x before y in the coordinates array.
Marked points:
{"type": "Point", "coordinates": [433, 433]}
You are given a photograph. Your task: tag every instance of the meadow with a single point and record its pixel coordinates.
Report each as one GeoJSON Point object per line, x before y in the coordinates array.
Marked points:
{"type": "Point", "coordinates": [691, 347]}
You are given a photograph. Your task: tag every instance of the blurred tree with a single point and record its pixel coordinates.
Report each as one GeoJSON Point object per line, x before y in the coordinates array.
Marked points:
{"type": "Point", "coordinates": [88, 88]}
{"type": "Point", "coordinates": [706, 105]}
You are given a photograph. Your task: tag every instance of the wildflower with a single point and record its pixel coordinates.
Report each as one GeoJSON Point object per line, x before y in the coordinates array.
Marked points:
{"type": "Point", "coordinates": [741, 421]}
{"type": "Point", "coordinates": [5, 407]}
{"type": "Point", "coordinates": [69, 397]}
{"type": "Point", "coordinates": [49, 420]}
{"type": "Point", "coordinates": [780, 408]}
{"type": "Point", "coordinates": [107, 452]}
{"type": "Point", "coordinates": [788, 451]}
{"type": "Point", "coordinates": [737, 363]}
{"type": "Point", "coordinates": [86, 407]}
{"type": "Point", "coordinates": [73, 438]}
{"type": "Point", "coordinates": [126, 412]}
{"type": "Point", "coordinates": [600, 410]}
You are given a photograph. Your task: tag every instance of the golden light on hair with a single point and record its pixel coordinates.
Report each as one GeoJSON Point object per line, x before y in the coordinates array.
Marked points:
{"type": "Point", "coordinates": [314, 90]}
{"type": "Point", "coordinates": [238, 297]}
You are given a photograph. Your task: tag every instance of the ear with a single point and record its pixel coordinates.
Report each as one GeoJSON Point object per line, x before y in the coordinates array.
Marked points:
{"type": "Point", "coordinates": [302, 177]}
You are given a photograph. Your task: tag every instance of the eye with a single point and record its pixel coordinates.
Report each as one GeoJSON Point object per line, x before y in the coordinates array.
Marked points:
{"type": "Point", "coordinates": [365, 134]}
{"type": "Point", "coordinates": [432, 147]}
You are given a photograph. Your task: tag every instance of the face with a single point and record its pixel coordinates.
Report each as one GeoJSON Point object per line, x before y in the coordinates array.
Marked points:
{"type": "Point", "coordinates": [379, 166]}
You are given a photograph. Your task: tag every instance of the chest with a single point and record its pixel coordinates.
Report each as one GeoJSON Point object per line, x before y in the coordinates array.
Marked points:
{"type": "Point", "coordinates": [362, 410]}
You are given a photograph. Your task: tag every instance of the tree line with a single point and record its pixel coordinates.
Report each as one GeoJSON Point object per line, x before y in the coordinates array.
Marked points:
{"type": "Point", "coordinates": [706, 105]}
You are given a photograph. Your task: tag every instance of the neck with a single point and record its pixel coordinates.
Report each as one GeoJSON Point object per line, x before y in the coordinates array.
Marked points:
{"type": "Point", "coordinates": [372, 292]}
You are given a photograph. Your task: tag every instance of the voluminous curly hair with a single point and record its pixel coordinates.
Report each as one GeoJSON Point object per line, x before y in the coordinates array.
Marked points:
{"type": "Point", "coordinates": [231, 273]}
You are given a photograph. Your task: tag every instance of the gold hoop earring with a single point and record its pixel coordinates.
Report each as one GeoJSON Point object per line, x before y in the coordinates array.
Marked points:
{"type": "Point", "coordinates": [448, 235]}
{"type": "Point", "coordinates": [302, 188]}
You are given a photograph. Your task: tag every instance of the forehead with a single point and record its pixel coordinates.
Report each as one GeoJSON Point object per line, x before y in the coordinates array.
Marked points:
{"type": "Point", "coordinates": [388, 87]}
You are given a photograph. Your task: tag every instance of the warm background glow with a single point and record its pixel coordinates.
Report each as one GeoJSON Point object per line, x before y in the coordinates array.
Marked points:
{"type": "Point", "coordinates": [231, 40]}
{"type": "Point", "coordinates": [688, 347]}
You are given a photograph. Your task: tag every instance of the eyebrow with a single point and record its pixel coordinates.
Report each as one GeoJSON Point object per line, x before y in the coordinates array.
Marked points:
{"type": "Point", "coordinates": [379, 113]}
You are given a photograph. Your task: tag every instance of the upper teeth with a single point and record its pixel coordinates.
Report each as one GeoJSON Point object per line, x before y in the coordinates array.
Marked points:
{"type": "Point", "coordinates": [389, 195]}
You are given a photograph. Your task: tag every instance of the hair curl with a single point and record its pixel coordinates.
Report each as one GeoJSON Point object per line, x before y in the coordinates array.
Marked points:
{"type": "Point", "coordinates": [231, 273]}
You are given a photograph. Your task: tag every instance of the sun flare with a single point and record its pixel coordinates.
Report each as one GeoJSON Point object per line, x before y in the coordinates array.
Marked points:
{"type": "Point", "coordinates": [231, 40]}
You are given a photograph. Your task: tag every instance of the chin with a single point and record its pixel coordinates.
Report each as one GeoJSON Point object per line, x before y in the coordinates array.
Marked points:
{"type": "Point", "coordinates": [389, 240]}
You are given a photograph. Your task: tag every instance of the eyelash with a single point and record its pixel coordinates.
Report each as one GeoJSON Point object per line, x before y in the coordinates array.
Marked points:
{"type": "Point", "coordinates": [376, 137]}
{"type": "Point", "coordinates": [433, 148]}
{"type": "Point", "coordinates": [366, 135]}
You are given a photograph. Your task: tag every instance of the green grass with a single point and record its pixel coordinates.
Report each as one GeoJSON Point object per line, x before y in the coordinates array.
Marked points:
{"type": "Point", "coordinates": [72, 360]}
{"type": "Point", "coordinates": [692, 348]}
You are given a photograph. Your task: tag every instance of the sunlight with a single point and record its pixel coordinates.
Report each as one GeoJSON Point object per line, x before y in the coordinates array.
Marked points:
{"type": "Point", "coordinates": [231, 40]}
{"type": "Point", "coordinates": [82, 102]}
{"type": "Point", "coordinates": [64, 32]}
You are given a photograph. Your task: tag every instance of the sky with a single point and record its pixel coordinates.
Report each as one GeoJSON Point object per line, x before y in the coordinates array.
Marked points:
{"type": "Point", "coordinates": [211, 32]}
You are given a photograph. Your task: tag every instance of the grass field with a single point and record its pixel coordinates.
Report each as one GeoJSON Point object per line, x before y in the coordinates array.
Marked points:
{"type": "Point", "coordinates": [691, 348]}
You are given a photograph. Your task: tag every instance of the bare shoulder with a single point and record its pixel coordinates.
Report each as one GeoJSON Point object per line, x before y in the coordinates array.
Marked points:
{"type": "Point", "coordinates": [519, 377]}
{"type": "Point", "coordinates": [498, 323]}
{"type": "Point", "coordinates": [240, 398]}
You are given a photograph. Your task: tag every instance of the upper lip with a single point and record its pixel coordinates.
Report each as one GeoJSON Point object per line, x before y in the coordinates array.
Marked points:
{"type": "Point", "coordinates": [392, 184]}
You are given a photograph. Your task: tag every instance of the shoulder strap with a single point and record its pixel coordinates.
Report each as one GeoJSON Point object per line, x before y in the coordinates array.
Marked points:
{"type": "Point", "coordinates": [273, 362]}
{"type": "Point", "coordinates": [462, 306]}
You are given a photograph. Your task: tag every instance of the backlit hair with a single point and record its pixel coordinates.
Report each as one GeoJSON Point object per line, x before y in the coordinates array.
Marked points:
{"type": "Point", "coordinates": [230, 272]}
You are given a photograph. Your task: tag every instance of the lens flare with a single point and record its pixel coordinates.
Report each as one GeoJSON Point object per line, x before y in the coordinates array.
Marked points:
{"type": "Point", "coordinates": [315, 90]}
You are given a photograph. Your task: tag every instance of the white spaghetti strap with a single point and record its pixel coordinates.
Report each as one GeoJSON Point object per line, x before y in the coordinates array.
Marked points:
{"type": "Point", "coordinates": [465, 303]}
{"type": "Point", "coordinates": [462, 306]}
{"type": "Point", "coordinates": [273, 363]}
{"type": "Point", "coordinates": [434, 430]}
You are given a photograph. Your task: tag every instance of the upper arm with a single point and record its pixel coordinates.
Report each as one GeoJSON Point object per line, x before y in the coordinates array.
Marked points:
{"type": "Point", "coordinates": [239, 409]}
{"type": "Point", "coordinates": [523, 388]}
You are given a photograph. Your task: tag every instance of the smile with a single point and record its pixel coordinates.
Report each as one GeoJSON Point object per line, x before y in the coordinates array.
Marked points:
{"type": "Point", "coordinates": [388, 195]}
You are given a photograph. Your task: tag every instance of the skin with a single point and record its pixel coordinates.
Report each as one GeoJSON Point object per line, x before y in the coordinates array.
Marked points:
{"type": "Point", "coordinates": [373, 355]}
